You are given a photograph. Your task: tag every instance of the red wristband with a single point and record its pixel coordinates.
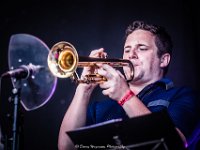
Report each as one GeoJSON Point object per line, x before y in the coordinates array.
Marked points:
{"type": "Point", "coordinates": [126, 97]}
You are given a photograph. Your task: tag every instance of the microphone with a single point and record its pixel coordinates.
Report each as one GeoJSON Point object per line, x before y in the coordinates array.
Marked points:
{"type": "Point", "coordinates": [23, 72]}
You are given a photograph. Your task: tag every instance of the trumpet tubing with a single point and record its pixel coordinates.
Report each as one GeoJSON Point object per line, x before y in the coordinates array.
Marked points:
{"type": "Point", "coordinates": [63, 60]}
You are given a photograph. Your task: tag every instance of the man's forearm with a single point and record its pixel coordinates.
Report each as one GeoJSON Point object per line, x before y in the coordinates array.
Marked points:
{"type": "Point", "coordinates": [134, 107]}
{"type": "Point", "coordinates": [75, 117]}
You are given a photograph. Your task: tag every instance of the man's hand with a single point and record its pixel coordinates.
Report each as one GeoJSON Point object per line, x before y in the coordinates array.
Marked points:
{"type": "Point", "coordinates": [99, 53]}
{"type": "Point", "coordinates": [116, 86]}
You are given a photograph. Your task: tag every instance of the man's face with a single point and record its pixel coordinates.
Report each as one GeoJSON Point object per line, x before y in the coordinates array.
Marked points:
{"type": "Point", "coordinates": [141, 50]}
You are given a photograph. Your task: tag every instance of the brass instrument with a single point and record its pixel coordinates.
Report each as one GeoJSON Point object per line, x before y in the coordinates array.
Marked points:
{"type": "Point", "coordinates": [63, 61]}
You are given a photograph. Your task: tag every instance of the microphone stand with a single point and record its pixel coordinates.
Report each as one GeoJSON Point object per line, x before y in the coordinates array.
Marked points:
{"type": "Point", "coordinates": [23, 72]}
{"type": "Point", "coordinates": [16, 126]}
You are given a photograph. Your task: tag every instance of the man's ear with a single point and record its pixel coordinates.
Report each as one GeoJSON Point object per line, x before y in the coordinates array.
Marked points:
{"type": "Point", "coordinates": [164, 60]}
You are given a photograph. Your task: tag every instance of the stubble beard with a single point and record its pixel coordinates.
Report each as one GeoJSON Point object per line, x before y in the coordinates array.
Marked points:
{"type": "Point", "coordinates": [138, 78]}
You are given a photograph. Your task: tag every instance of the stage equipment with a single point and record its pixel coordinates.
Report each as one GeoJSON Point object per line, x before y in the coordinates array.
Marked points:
{"type": "Point", "coordinates": [63, 60]}
{"type": "Point", "coordinates": [27, 63]}
{"type": "Point", "coordinates": [153, 131]}
{"type": "Point", "coordinates": [33, 83]}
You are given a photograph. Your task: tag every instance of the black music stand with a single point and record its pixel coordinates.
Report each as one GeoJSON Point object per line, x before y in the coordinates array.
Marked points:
{"type": "Point", "coordinates": [149, 132]}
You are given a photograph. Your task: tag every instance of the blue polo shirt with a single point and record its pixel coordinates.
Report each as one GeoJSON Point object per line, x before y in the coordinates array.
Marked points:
{"type": "Point", "coordinates": [180, 103]}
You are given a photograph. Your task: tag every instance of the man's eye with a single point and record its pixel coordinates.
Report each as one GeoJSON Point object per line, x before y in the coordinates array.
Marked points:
{"type": "Point", "coordinates": [143, 48]}
{"type": "Point", "coordinates": [127, 51]}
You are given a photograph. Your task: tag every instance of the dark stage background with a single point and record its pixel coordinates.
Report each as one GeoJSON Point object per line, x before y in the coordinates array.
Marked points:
{"type": "Point", "coordinates": [89, 25]}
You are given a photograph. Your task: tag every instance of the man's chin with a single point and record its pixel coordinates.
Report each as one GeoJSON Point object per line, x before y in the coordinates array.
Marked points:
{"type": "Point", "coordinates": [137, 79]}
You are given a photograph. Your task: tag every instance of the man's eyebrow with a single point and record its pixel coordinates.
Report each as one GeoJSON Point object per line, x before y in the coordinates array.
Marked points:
{"type": "Point", "coordinates": [142, 45]}
{"type": "Point", "coordinates": [138, 45]}
{"type": "Point", "coordinates": [127, 47]}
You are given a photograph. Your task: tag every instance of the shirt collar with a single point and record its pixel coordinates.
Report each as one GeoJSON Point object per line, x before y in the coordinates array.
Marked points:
{"type": "Point", "coordinates": [166, 82]}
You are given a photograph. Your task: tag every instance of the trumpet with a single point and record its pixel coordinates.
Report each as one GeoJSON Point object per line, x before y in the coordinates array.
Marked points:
{"type": "Point", "coordinates": [63, 61]}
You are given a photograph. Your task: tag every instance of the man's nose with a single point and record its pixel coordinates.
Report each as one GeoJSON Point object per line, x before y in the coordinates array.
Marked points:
{"type": "Point", "coordinates": [133, 54]}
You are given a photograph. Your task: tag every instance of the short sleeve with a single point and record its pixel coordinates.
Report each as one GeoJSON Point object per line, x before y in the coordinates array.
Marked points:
{"type": "Point", "coordinates": [184, 111]}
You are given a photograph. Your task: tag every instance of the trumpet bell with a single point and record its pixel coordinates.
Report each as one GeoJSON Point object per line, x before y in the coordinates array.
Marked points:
{"type": "Point", "coordinates": [63, 60]}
